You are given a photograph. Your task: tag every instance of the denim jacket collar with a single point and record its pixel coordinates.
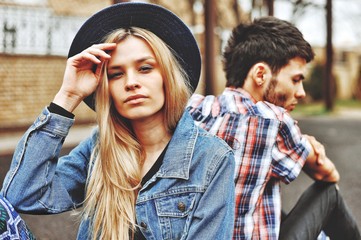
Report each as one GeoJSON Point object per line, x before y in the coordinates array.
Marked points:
{"type": "Point", "coordinates": [182, 146]}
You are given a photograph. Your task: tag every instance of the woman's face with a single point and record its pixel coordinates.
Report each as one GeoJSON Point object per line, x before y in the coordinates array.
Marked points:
{"type": "Point", "coordinates": [135, 80]}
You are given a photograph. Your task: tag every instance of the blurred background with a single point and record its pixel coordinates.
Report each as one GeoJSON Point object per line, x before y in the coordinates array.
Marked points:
{"type": "Point", "coordinates": [35, 36]}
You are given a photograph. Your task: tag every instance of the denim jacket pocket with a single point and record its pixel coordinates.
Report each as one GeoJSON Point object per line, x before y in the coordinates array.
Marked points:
{"type": "Point", "coordinates": [174, 213]}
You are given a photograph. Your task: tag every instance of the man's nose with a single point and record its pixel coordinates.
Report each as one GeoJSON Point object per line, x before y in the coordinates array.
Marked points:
{"type": "Point", "coordinates": [300, 93]}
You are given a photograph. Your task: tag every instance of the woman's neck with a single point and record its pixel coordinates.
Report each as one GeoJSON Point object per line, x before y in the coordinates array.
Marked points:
{"type": "Point", "coordinates": [153, 137]}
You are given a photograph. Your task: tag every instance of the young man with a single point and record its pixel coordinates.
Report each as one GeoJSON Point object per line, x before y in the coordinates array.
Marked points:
{"type": "Point", "coordinates": [265, 63]}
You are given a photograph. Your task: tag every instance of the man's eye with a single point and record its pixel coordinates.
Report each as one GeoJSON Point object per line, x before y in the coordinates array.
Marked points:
{"type": "Point", "coordinates": [298, 78]}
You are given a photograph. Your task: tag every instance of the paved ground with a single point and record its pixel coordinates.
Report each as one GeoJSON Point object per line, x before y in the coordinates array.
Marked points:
{"type": "Point", "coordinates": [340, 135]}
{"type": "Point", "coordinates": [342, 139]}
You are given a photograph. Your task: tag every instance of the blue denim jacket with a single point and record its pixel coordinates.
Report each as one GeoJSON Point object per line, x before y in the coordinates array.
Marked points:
{"type": "Point", "coordinates": [190, 197]}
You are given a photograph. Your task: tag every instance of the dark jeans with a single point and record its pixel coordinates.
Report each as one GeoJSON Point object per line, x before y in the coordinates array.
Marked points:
{"type": "Point", "coordinates": [320, 207]}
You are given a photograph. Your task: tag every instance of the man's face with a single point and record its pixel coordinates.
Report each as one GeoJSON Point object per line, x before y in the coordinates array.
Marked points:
{"type": "Point", "coordinates": [286, 88]}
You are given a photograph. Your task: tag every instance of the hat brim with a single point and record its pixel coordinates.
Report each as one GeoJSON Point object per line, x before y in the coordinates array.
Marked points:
{"type": "Point", "coordinates": [166, 25]}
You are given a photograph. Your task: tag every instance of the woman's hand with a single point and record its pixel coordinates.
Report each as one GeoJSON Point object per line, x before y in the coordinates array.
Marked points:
{"type": "Point", "coordinates": [82, 75]}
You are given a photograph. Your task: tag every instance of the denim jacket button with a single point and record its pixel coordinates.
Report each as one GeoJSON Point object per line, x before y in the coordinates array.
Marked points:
{"type": "Point", "coordinates": [143, 225]}
{"type": "Point", "coordinates": [42, 117]}
{"type": "Point", "coordinates": [181, 206]}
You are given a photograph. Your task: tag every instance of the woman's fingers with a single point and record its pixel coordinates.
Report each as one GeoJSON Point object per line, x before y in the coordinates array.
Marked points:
{"type": "Point", "coordinates": [94, 54]}
{"type": "Point", "coordinates": [101, 50]}
{"type": "Point", "coordinates": [81, 77]}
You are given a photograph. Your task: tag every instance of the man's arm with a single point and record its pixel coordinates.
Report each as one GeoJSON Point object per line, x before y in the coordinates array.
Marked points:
{"type": "Point", "coordinates": [318, 166]}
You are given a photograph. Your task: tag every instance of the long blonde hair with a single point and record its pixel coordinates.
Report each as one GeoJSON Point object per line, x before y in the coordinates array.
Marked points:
{"type": "Point", "coordinates": [114, 175]}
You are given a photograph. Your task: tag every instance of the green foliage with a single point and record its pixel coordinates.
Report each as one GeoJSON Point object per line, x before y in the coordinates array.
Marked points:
{"type": "Point", "coordinates": [319, 108]}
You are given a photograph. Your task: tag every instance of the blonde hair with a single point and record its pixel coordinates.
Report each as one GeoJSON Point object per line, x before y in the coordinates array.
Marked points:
{"type": "Point", "coordinates": [114, 175]}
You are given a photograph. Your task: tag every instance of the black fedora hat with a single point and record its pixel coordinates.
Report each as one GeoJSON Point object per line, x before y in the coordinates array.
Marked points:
{"type": "Point", "coordinates": [165, 24]}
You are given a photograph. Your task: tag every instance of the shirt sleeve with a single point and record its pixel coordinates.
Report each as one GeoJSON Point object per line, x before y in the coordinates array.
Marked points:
{"type": "Point", "coordinates": [290, 151]}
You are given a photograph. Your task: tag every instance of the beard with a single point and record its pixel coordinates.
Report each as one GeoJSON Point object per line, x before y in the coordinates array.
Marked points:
{"type": "Point", "coordinates": [270, 95]}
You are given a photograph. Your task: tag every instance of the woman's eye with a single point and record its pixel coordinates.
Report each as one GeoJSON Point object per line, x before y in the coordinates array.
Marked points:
{"type": "Point", "coordinates": [115, 75]}
{"type": "Point", "coordinates": [145, 68]}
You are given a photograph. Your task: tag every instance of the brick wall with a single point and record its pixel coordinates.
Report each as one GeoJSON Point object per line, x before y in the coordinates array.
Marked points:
{"type": "Point", "coordinates": [27, 85]}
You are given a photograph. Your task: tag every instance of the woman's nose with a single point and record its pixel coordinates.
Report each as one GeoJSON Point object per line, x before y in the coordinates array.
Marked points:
{"type": "Point", "coordinates": [132, 82]}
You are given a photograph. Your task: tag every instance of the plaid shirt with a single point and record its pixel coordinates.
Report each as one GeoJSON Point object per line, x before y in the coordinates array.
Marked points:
{"type": "Point", "coordinates": [269, 148]}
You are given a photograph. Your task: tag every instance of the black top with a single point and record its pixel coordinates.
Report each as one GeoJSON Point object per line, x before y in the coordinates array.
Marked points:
{"type": "Point", "coordinates": [55, 108]}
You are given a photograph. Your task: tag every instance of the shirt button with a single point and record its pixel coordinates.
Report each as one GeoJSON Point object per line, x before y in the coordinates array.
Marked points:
{"type": "Point", "coordinates": [181, 206]}
{"type": "Point", "coordinates": [143, 225]}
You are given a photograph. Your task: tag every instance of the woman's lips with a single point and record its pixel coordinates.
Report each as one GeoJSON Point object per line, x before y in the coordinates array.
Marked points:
{"type": "Point", "coordinates": [137, 98]}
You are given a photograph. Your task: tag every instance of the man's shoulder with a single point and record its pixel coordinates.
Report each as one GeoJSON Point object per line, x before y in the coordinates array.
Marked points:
{"type": "Point", "coordinates": [198, 99]}
{"type": "Point", "coordinates": [235, 102]}
{"type": "Point", "coordinates": [269, 110]}
{"type": "Point", "coordinates": [200, 105]}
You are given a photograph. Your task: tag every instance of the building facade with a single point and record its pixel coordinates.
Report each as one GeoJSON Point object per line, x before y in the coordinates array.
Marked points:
{"type": "Point", "coordinates": [35, 36]}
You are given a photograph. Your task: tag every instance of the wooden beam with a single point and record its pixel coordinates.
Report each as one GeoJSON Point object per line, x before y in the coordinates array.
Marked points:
{"type": "Point", "coordinates": [209, 58]}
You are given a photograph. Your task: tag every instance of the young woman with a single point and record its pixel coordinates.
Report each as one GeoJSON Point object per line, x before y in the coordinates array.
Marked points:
{"type": "Point", "coordinates": [147, 171]}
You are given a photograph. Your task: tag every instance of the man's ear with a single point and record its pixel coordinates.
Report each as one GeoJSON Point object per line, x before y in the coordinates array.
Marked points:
{"type": "Point", "coordinates": [260, 72]}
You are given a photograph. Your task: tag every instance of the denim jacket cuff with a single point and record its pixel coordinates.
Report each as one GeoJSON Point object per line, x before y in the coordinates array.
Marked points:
{"type": "Point", "coordinates": [53, 123]}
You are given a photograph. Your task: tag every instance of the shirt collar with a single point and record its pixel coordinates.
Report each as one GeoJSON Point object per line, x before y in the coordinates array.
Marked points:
{"type": "Point", "coordinates": [179, 154]}
{"type": "Point", "coordinates": [239, 91]}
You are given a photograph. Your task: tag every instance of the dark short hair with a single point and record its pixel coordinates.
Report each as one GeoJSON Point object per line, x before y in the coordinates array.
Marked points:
{"type": "Point", "coordinates": [269, 40]}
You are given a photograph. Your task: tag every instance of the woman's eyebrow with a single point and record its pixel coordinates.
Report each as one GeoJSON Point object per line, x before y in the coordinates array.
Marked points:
{"type": "Point", "coordinates": [140, 60]}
